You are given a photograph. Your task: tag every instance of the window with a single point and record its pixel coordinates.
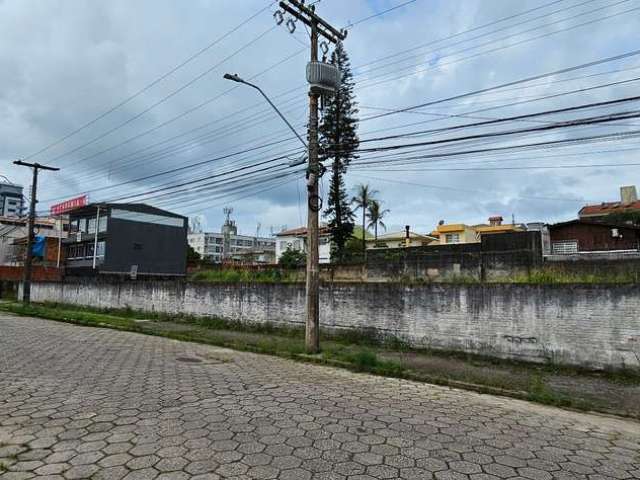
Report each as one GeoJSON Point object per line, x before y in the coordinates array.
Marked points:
{"type": "Point", "coordinates": [296, 244]}
{"type": "Point", "coordinates": [564, 247]}
{"type": "Point", "coordinates": [91, 225]}
{"type": "Point", "coordinates": [102, 224]}
{"type": "Point", "coordinates": [76, 251]}
{"type": "Point", "coordinates": [82, 225]}
{"type": "Point", "coordinates": [89, 250]}
{"type": "Point", "coordinates": [101, 249]}
{"type": "Point", "coordinates": [283, 245]}
{"type": "Point", "coordinates": [452, 238]}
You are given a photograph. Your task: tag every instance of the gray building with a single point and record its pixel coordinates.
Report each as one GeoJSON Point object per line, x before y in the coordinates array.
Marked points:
{"type": "Point", "coordinates": [126, 239]}
{"type": "Point", "coordinates": [11, 200]}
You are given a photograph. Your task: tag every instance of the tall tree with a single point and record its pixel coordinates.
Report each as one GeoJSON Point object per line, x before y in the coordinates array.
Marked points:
{"type": "Point", "coordinates": [363, 198]}
{"type": "Point", "coordinates": [375, 214]}
{"type": "Point", "coordinates": [338, 144]}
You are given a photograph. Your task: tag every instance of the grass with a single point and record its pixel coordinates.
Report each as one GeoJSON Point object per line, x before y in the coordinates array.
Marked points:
{"type": "Point", "coordinates": [358, 350]}
{"type": "Point", "coordinates": [245, 276]}
{"type": "Point", "coordinates": [554, 276]}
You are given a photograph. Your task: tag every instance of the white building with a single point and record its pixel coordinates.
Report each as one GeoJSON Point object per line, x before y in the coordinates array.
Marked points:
{"type": "Point", "coordinates": [211, 246]}
{"type": "Point", "coordinates": [296, 239]}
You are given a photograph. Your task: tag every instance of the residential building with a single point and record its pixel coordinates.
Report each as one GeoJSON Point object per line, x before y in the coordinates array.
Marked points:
{"type": "Point", "coordinates": [11, 199]}
{"type": "Point", "coordinates": [589, 236]}
{"type": "Point", "coordinates": [211, 246]}
{"type": "Point", "coordinates": [462, 233]}
{"type": "Point", "coordinates": [126, 239]}
{"type": "Point", "coordinates": [296, 239]}
{"type": "Point", "coordinates": [400, 239]}
{"type": "Point", "coordinates": [13, 233]}
{"type": "Point", "coordinates": [628, 203]}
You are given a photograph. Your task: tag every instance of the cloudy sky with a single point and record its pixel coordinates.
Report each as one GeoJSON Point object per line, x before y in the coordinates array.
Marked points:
{"type": "Point", "coordinates": [127, 98]}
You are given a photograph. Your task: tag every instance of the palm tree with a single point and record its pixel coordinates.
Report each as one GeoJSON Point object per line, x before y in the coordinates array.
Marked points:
{"type": "Point", "coordinates": [363, 198]}
{"type": "Point", "coordinates": [375, 216]}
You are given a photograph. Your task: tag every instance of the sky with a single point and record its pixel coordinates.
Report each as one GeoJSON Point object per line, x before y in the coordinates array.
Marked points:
{"type": "Point", "coordinates": [128, 99]}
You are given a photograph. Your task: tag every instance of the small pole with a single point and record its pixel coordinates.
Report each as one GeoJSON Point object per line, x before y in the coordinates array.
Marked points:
{"type": "Point", "coordinates": [28, 261]}
{"type": "Point", "coordinates": [59, 243]}
{"type": "Point", "coordinates": [95, 238]}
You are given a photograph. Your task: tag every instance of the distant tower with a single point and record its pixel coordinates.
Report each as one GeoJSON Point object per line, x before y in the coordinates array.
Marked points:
{"type": "Point", "coordinates": [228, 229]}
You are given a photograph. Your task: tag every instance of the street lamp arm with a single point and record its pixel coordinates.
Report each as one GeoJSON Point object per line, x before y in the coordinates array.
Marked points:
{"type": "Point", "coordinates": [236, 78]}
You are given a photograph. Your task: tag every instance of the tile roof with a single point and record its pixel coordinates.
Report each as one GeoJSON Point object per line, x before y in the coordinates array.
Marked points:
{"type": "Point", "coordinates": [605, 208]}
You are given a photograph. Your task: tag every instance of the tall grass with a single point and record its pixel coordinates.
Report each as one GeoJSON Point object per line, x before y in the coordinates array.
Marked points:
{"type": "Point", "coordinates": [549, 276]}
{"type": "Point", "coordinates": [245, 276]}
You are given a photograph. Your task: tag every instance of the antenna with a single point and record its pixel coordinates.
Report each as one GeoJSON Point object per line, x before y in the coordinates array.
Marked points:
{"type": "Point", "coordinates": [227, 212]}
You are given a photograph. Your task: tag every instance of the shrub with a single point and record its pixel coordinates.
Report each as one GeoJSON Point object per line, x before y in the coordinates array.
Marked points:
{"type": "Point", "coordinates": [292, 259]}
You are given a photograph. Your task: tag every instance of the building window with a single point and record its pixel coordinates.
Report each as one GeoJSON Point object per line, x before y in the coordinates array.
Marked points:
{"type": "Point", "coordinates": [564, 247]}
{"type": "Point", "coordinates": [452, 238]}
{"type": "Point", "coordinates": [91, 225]}
{"type": "Point", "coordinates": [89, 250]}
{"type": "Point", "coordinates": [102, 224]}
{"type": "Point", "coordinates": [76, 251]}
{"type": "Point", "coordinates": [82, 225]}
{"type": "Point", "coordinates": [101, 249]}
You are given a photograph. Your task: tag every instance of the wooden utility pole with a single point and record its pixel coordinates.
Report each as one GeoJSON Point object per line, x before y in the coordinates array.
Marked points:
{"type": "Point", "coordinates": [319, 27]}
{"type": "Point", "coordinates": [28, 259]}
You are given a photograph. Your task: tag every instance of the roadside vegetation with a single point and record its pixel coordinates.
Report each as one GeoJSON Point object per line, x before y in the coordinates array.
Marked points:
{"type": "Point", "coordinates": [293, 272]}
{"type": "Point", "coordinates": [611, 392]}
{"type": "Point", "coordinates": [274, 275]}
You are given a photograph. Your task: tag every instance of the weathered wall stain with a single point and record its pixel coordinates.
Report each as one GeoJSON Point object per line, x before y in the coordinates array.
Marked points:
{"type": "Point", "coordinates": [588, 325]}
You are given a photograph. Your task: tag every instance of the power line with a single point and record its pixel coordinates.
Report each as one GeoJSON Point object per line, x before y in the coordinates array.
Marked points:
{"type": "Point", "coordinates": [375, 15]}
{"type": "Point", "coordinates": [120, 144]}
{"type": "Point", "coordinates": [151, 84]}
{"type": "Point", "coordinates": [166, 97]}
{"type": "Point", "coordinates": [416, 72]}
{"type": "Point", "coordinates": [509, 84]}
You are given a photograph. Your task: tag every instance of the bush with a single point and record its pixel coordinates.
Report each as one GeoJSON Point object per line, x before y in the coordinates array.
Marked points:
{"type": "Point", "coordinates": [292, 259]}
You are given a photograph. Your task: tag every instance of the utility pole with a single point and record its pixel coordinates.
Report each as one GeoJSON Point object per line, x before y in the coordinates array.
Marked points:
{"type": "Point", "coordinates": [315, 72]}
{"type": "Point", "coordinates": [28, 260]}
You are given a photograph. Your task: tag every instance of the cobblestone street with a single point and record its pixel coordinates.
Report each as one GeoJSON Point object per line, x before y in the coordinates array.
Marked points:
{"type": "Point", "coordinates": [93, 403]}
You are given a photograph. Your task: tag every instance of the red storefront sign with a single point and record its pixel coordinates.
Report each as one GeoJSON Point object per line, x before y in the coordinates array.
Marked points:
{"type": "Point", "coordinates": [67, 205]}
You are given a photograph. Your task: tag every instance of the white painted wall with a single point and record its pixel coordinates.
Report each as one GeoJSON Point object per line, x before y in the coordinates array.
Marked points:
{"type": "Point", "coordinates": [587, 325]}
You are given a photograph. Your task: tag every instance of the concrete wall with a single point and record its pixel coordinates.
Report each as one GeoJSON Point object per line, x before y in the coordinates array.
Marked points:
{"type": "Point", "coordinates": [591, 326]}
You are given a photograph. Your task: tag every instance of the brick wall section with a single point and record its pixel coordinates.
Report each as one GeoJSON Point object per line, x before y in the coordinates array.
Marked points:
{"type": "Point", "coordinates": [41, 274]}
{"type": "Point", "coordinates": [591, 326]}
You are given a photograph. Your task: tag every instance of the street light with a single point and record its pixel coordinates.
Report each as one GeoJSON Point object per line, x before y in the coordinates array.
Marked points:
{"type": "Point", "coordinates": [236, 78]}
